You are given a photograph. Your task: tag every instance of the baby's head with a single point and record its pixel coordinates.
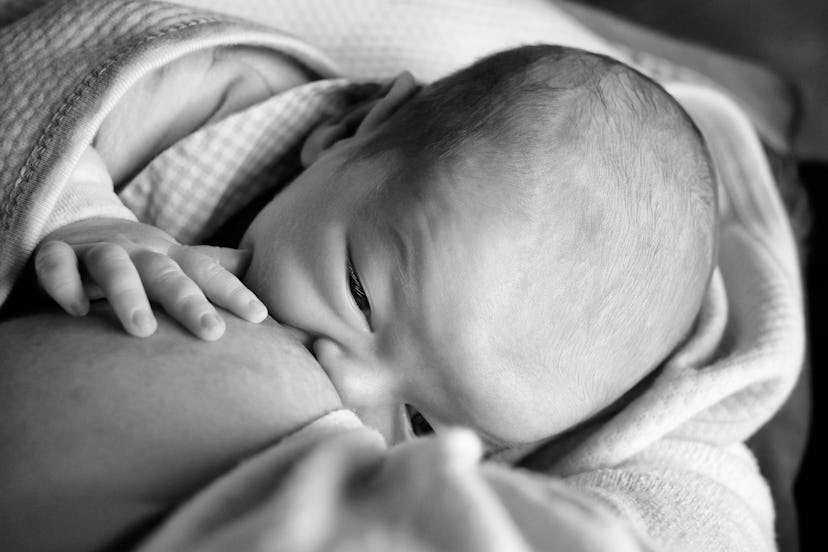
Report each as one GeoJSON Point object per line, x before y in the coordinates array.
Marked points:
{"type": "Point", "coordinates": [511, 248]}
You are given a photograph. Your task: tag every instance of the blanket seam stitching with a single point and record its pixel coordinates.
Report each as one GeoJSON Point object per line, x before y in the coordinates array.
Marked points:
{"type": "Point", "coordinates": [17, 190]}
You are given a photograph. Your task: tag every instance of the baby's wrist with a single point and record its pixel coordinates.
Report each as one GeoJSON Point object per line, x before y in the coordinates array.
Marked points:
{"type": "Point", "coordinates": [88, 193]}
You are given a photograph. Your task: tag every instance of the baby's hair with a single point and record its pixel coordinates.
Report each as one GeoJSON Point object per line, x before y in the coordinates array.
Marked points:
{"type": "Point", "coordinates": [597, 150]}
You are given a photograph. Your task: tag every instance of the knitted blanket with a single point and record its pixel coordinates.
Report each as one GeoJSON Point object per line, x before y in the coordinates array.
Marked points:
{"type": "Point", "coordinates": [672, 464]}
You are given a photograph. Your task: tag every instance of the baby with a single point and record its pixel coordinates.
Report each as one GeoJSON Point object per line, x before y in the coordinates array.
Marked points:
{"type": "Point", "coordinates": [511, 248]}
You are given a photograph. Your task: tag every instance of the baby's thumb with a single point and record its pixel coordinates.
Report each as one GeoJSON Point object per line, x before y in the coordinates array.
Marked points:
{"type": "Point", "coordinates": [233, 260]}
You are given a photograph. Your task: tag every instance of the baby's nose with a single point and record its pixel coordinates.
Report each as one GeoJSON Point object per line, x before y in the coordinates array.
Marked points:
{"type": "Point", "coordinates": [366, 385]}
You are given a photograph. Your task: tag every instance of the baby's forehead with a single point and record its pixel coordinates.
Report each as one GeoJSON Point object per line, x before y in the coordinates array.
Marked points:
{"type": "Point", "coordinates": [498, 229]}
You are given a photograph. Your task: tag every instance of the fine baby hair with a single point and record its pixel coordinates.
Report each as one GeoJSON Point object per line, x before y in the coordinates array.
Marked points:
{"type": "Point", "coordinates": [607, 181]}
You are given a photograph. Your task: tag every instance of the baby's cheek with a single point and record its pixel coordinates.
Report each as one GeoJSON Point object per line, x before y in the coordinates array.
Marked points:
{"type": "Point", "coordinates": [252, 280]}
{"type": "Point", "coordinates": [263, 279]}
{"type": "Point", "coordinates": [290, 297]}
{"type": "Point", "coordinates": [294, 280]}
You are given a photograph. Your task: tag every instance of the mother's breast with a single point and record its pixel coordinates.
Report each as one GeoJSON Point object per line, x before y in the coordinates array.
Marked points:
{"type": "Point", "coordinates": [101, 430]}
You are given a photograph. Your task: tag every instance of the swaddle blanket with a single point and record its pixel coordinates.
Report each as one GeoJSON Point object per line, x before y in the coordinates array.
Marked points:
{"type": "Point", "coordinates": [671, 465]}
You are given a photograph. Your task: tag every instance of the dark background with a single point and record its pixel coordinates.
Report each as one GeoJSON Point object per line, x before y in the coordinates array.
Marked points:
{"type": "Point", "coordinates": [788, 36]}
{"type": "Point", "coordinates": [791, 38]}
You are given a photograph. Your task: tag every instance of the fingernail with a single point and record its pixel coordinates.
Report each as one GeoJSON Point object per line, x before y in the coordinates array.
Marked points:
{"type": "Point", "coordinates": [210, 321]}
{"type": "Point", "coordinates": [142, 320]}
{"type": "Point", "coordinates": [257, 309]}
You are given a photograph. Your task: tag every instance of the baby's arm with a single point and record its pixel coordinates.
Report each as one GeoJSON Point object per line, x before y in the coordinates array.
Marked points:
{"type": "Point", "coordinates": [103, 433]}
{"type": "Point", "coordinates": [85, 258]}
{"type": "Point", "coordinates": [130, 263]}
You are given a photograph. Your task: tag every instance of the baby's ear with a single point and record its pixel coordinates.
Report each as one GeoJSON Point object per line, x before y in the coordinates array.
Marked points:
{"type": "Point", "coordinates": [364, 118]}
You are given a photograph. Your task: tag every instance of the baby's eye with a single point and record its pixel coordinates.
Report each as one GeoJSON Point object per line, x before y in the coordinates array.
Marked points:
{"type": "Point", "coordinates": [357, 292]}
{"type": "Point", "coordinates": [419, 425]}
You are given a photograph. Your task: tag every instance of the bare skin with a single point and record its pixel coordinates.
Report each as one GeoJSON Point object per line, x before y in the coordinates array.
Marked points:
{"type": "Point", "coordinates": [103, 432]}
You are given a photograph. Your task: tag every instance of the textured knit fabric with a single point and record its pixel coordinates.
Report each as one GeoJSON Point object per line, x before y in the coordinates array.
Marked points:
{"type": "Point", "coordinates": [222, 167]}
{"type": "Point", "coordinates": [672, 464]}
{"type": "Point", "coordinates": [63, 68]}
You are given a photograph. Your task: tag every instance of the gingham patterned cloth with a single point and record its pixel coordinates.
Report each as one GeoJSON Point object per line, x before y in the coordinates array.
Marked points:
{"type": "Point", "coordinates": [222, 167]}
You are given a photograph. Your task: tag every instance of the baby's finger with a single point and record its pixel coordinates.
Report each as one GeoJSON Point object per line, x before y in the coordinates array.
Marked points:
{"type": "Point", "coordinates": [220, 286]}
{"type": "Point", "coordinates": [235, 261]}
{"type": "Point", "coordinates": [168, 285]}
{"type": "Point", "coordinates": [112, 270]}
{"type": "Point", "coordinates": [56, 266]}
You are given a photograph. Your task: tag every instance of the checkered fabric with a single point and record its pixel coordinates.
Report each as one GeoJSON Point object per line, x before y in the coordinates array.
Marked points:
{"type": "Point", "coordinates": [192, 188]}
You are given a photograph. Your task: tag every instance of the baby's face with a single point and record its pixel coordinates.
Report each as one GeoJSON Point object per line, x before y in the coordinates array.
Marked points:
{"type": "Point", "coordinates": [402, 300]}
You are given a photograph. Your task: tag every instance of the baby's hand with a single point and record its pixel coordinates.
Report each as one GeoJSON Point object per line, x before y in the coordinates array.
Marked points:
{"type": "Point", "coordinates": [128, 262]}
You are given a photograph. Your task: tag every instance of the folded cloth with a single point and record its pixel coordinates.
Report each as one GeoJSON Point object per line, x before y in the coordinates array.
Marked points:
{"type": "Point", "coordinates": [64, 67]}
{"type": "Point", "coordinates": [335, 486]}
{"type": "Point", "coordinates": [671, 465]}
{"type": "Point", "coordinates": [224, 166]}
